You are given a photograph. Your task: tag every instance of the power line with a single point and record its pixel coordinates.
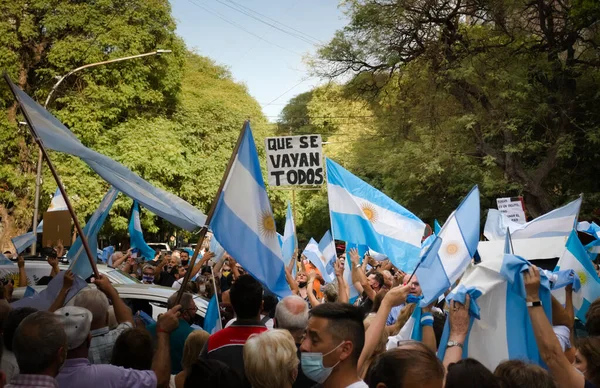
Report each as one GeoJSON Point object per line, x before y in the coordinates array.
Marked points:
{"type": "Point", "coordinates": [286, 92]}
{"type": "Point", "coordinates": [215, 13]}
{"type": "Point", "coordinates": [240, 8]}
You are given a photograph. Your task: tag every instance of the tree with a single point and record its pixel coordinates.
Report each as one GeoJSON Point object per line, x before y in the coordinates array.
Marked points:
{"type": "Point", "coordinates": [520, 79]}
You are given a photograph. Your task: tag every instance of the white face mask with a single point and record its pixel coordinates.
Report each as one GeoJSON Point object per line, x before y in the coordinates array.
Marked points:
{"type": "Point", "coordinates": [313, 368]}
{"type": "Point", "coordinates": [202, 288]}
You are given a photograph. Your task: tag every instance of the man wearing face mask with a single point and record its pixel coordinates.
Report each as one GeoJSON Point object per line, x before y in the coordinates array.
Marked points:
{"type": "Point", "coordinates": [148, 274]}
{"type": "Point", "coordinates": [334, 339]}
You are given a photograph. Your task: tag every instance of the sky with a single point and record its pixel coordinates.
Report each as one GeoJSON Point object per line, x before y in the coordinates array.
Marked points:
{"type": "Point", "coordinates": [271, 62]}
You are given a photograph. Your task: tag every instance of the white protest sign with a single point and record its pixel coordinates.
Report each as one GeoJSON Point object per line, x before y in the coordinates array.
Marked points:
{"type": "Point", "coordinates": [513, 208]}
{"type": "Point", "coordinates": [294, 160]}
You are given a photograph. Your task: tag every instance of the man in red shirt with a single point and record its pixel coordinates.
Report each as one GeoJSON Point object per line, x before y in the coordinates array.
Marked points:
{"type": "Point", "coordinates": [227, 345]}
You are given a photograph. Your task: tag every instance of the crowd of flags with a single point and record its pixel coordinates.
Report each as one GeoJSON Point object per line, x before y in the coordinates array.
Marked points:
{"type": "Point", "coordinates": [365, 218]}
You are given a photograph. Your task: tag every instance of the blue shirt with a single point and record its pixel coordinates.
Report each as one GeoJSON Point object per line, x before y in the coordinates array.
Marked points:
{"type": "Point", "coordinates": [79, 373]}
{"type": "Point", "coordinates": [393, 316]}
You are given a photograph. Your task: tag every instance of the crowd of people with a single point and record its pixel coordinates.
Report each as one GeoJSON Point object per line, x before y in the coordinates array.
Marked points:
{"type": "Point", "coordinates": [314, 337]}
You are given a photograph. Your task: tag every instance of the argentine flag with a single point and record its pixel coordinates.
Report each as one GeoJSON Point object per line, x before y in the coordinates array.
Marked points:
{"type": "Point", "coordinates": [558, 222]}
{"type": "Point", "coordinates": [79, 262]}
{"type": "Point", "coordinates": [243, 220]}
{"type": "Point", "coordinates": [315, 256]}
{"type": "Point", "coordinates": [500, 327]}
{"type": "Point", "coordinates": [364, 215]}
{"type": "Point", "coordinates": [216, 248]}
{"type": "Point", "coordinates": [289, 236]}
{"type": "Point", "coordinates": [591, 229]}
{"type": "Point", "coordinates": [24, 241]}
{"type": "Point", "coordinates": [576, 258]}
{"type": "Point", "coordinates": [459, 239]}
{"type": "Point", "coordinates": [212, 321]}
{"type": "Point", "coordinates": [136, 237]}
{"type": "Point", "coordinates": [327, 248]}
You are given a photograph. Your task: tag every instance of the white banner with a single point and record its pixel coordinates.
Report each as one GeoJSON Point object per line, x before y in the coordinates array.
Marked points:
{"type": "Point", "coordinates": [294, 160]}
{"type": "Point", "coordinates": [512, 208]}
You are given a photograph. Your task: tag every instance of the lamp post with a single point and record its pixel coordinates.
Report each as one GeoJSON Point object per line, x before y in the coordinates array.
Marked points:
{"type": "Point", "coordinates": [38, 179]}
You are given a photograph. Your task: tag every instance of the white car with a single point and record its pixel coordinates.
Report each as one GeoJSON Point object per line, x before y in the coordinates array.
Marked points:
{"type": "Point", "coordinates": [162, 247]}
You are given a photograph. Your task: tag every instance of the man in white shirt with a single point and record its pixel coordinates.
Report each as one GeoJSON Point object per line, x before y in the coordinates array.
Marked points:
{"type": "Point", "coordinates": [334, 339]}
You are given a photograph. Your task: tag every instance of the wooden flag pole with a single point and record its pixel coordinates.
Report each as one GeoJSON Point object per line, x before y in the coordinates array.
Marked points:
{"type": "Point", "coordinates": [56, 178]}
{"type": "Point", "coordinates": [209, 216]}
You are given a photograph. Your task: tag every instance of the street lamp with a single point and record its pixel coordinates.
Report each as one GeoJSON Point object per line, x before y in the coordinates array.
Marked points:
{"type": "Point", "coordinates": [38, 179]}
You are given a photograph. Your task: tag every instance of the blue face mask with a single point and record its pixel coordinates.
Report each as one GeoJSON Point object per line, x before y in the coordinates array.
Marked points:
{"type": "Point", "coordinates": [313, 368]}
{"type": "Point", "coordinates": [147, 278]}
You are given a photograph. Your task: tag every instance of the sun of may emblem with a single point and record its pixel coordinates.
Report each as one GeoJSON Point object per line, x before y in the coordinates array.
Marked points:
{"type": "Point", "coordinates": [582, 277]}
{"type": "Point", "coordinates": [452, 248]}
{"type": "Point", "coordinates": [266, 224]}
{"type": "Point", "coordinates": [369, 212]}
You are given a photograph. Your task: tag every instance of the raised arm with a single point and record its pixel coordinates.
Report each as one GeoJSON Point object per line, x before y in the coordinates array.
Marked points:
{"type": "Point", "coordinates": [309, 289]}
{"type": "Point", "coordinates": [122, 312]}
{"type": "Point", "coordinates": [121, 259]}
{"type": "Point", "coordinates": [459, 328]}
{"type": "Point", "coordinates": [198, 266]}
{"type": "Point", "coordinates": [290, 279]}
{"type": "Point", "coordinates": [396, 296]}
{"type": "Point", "coordinates": [428, 335]}
{"type": "Point", "coordinates": [62, 294]}
{"type": "Point", "coordinates": [565, 375]}
{"type": "Point", "coordinates": [219, 265]}
{"type": "Point", "coordinates": [343, 292]}
{"type": "Point", "coordinates": [161, 362]}
{"type": "Point", "coordinates": [359, 274]}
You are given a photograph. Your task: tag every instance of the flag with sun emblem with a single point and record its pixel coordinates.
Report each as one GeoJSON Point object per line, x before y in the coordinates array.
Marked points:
{"type": "Point", "coordinates": [361, 214]}
{"type": "Point", "coordinates": [576, 258]}
{"type": "Point", "coordinates": [243, 221]}
{"type": "Point", "coordinates": [460, 237]}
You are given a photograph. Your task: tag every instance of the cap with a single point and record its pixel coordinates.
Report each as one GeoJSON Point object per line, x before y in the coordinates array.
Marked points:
{"type": "Point", "coordinates": [77, 322]}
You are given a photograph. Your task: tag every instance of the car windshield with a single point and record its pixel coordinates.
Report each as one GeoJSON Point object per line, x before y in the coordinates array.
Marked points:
{"type": "Point", "coordinates": [120, 277]}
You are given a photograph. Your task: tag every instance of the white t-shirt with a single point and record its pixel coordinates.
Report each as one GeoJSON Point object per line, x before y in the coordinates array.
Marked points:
{"type": "Point", "coordinates": [564, 336]}
{"type": "Point", "coordinates": [358, 384]}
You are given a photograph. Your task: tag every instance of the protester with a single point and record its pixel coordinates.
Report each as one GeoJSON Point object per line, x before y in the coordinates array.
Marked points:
{"type": "Point", "coordinates": [592, 319]}
{"type": "Point", "coordinates": [227, 345]}
{"type": "Point", "coordinates": [165, 271]}
{"type": "Point", "coordinates": [77, 371]}
{"type": "Point", "coordinates": [133, 349]}
{"type": "Point", "coordinates": [184, 329]}
{"type": "Point", "coordinates": [380, 347]}
{"type": "Point", "coordinates": [367, 286]}
{"type": "Point", "coordinates": [563, 372]}
{"type": "Point", "coordinates": [96, 301]}
{"type": "Point", "coordinates": [334, 338]}
{"type": "Point", "coordinates": [470, 373]}
{"type": "Point", "coordinates": [587, 359]}
{"type": "Point", "coordinates": [40, 346]}
{"type": "Point", "coordinates": [291, 314]}
{"type": "Point", "coordinates": [279, 368]}
{"type": "Point", "coordinates": [148, 274]}
{"type": "Point", "coordinates": [519, 374]}
{"type": "Point", "coordinates": [14, 318]}
{"type": "Point", "coordinates": [193, 346]}
{"type": "Point", "coordinates": [212, 373]}
{"type": "Point", "coordinates": [415, 290]}
{"type": "Point", "coordinates": [409, 365]}
{"type": "Point", "coordinates": [194, 271]}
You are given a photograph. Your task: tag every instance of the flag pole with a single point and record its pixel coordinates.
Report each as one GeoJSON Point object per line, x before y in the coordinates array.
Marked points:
{"type": "Point", "coordinates": [216, 294]}
{"type": "Point", "coordinates": [211, 212]}
{"type": "Point", "coordinates": [39, 142]}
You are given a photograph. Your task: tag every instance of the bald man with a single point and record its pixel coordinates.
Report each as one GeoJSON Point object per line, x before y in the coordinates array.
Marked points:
{"type": "Point", "coordinates": [291, 314]}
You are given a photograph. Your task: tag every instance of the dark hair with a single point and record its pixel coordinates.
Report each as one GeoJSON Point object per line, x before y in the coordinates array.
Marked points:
{"type": "Point", "coordinates": [411, 359]}
{"type": "Point", "coordinates": [377, 300]}
{"type": "Point", "coordinates": [518, 374]}
{"type": "Point", "coordinates": [592, 319]}
{"type": "Point", "coordinates": [246, 297]}
{"type": "Point", "coordinates": [212, 373]}
{"type": "Point", "coordinates": [269, 304]}
{"type": "Point", "coordinates": [589, 347]}
{"type": "Point", "coordinates": [13, 320]}
{"type": "Point", "coordinates": [469, 373]}
{"type": "Point", "coordinates": [379, 278]}
{"type": "Point", "coordinates": [133, 349]}
{"type": "Point", "coordinates": [345, 323]}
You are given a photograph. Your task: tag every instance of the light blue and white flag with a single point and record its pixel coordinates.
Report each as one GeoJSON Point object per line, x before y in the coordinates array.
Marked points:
{"type": "Point", "coordinates": [212, 321]}
{"type": "Point", "coordinates": [25, 240]}
{"type": "Point", "coordinates": [558, 222]}
{"type": "Point", "coordinates": [243, 220]}
{"type": "Point", "coordinates": [289, 237]}
{"type": "Point", "coordinates": [315, 256]}
{"type": "Point", "coordinates": [57, 137]}
{"type": "Point", "coordinates": [561, 278]}
{"type": "Point", "coordinates": [79, 262]}
{"type": "Point", "coordinates": [327, 248]}
{"type": "Point", "coordinates": [459, 239]}
{"type": "Point", "coordinates": [500, 327]}
{"type": "Point", "coordinates": [29, 291]}
{"type": "Point", "coordinates": [44, 299]}
{"type": "Point", "coordinates": [589, 228]}
{"type": "Point", "coordinates": [216, 248]}
{"type": "Point", "coordinates": [136, 236]}
{"type": "Point", "coordinates": [593, 248]}
{"type": "Point", "coordinates": [364, 215]}
{"type": "Point", "coordinates": [436, 227]}
{"type": "Point", "coordinates": [107, 253]}
{"type": "Point", "coordinates": [576, 258]}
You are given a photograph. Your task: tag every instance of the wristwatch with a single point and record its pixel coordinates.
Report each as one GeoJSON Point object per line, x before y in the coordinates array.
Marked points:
{"type": "Point", "coordinates": [454, 343]}
{"type": "Point", "coordinates": [534, 304]}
